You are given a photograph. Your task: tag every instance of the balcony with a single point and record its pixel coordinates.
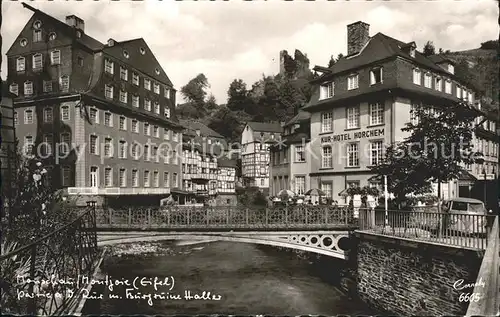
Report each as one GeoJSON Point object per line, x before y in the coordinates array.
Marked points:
{"type": "Point", "coordinates": [200, 177]}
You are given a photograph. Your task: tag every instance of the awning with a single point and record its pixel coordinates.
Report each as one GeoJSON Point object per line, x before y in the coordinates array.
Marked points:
{"type": "Point", "coordinates": [466, 176]}
{"type": "Point", "coordinates": [178, 191]}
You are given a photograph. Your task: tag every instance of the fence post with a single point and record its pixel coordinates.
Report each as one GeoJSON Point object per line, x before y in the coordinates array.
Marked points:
{"type": "Point", "coordinates": [129, 216]}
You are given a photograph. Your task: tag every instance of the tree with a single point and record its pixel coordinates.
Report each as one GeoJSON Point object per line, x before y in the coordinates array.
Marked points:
{"type": "Point", "coordinates": [195, 90]}
{"type": "Point", "coordinates": [436, 150]}
{"type": "Point", "coordinates": [237, 95]}
{"type": "Point", "coordinates": [429, 49]}
{"type": "Point", "coordinates": [331, 62]}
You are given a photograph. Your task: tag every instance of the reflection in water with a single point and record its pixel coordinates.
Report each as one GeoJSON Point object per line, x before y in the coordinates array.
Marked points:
{"type": "Point", "coordinates": [250, 279]}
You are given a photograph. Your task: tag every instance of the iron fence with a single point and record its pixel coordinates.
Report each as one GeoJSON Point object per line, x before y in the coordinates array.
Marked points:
{"type": "Point", "coordinates": [226, 217]}
{"type": "Point", "coordinates": [463, 230]}
{"type": "Point", "coordinates": [46, 276]}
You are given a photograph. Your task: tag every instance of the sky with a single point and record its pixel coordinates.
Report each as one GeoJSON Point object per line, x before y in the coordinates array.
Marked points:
{"type": "Point", "coordinates": [242, 39]}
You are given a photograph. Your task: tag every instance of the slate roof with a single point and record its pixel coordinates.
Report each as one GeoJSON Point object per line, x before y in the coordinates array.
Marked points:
{"type": "Point", "coordinates": [191, 127]}
{"type": "Point", "coordinates": [85, 40]}
{"type": "Point", "coordinates": [302, 116]}
{"type": "Point", "coordinates": [380, 47]}
{"type": "Point", "coordinates": [265, 127]}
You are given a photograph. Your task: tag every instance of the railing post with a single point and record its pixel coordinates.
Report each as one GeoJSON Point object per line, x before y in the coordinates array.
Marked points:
{"type": "Point", "coordinates": [129, 216]}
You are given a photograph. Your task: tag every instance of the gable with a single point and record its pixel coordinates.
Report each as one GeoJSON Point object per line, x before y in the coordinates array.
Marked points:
{"type": "Point", "coordinates": [146, 63]}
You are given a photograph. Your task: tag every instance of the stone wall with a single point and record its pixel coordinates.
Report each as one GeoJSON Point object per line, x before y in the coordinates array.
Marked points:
{"type": "Point", "coordinates": [410, 278]}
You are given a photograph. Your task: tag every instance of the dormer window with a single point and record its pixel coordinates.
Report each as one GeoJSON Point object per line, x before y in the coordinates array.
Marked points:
{"type": "Point", "coordinates": [78, 34]}
{"type": "Point", "coordinates": [451, 68]}
{"type": "Point", "coordinates": [353, 82]}
{"type": "Point", "coordinates": [376, 76]}
{"type": "Point", "coordinates": [412, 51]}
{"type": "Point", "coordinates": [111, 42]}
{"type": "Point", "coordinates": [327, 90]}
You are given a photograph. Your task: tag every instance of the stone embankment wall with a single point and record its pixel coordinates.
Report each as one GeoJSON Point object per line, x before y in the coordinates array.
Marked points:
{"type": "Point", "coordinates": [410, 278]}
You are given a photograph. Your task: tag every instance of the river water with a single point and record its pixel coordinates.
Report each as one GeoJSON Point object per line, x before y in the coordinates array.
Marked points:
{"type": "Point", "coordinates": [250, 279]}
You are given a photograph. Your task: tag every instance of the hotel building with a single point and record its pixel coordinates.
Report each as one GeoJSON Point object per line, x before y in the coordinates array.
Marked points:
{"type": "Point", "coordinates": [208, 175]}
{"type": "Point", "coordinates": [361, 103]}
{"type": "Point", "coordinates": [100, 116]}
{"type": "Point", "coordinates": [256, 139]}
{"type": "Point", "coordinates": [290, 159]}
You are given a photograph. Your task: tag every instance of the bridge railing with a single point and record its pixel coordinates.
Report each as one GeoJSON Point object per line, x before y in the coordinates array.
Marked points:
{"type": "Point", "coordinates": [228, 217]}
{"type": "Point", "coordinates": [485, 299]}
{"type": "Point", "coordinates": [456, 229]}
{"type": "Point", "coordinates": [42, 277]}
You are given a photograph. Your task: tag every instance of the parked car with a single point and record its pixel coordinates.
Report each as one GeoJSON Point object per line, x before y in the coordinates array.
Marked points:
{"type": "Point", "coordinates": [466, 215]}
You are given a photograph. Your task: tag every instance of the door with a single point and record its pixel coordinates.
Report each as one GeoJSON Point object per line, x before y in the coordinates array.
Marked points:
{"type": "Point", "coordinates": [94, 177]}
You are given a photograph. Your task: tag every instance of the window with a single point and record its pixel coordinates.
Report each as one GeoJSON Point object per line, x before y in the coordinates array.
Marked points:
{"type": "Point", "coordinates": [175, 137]}
{"type": "Point", "coordinates": [20, 64]}
{"type": "Point", "coordinates": [376, 113]}
{"type": "Point", "coordinates": [353, 154]}
{"type": "Point", "coordinates": [123, 123]}
{"type": "Point", "coordinates": [438, 83]}
{"type": "Point", "coordinates": [459, 92]}
{"type": "Point", "coordinates": [135, 151]}
{"type": "Point", "coordinates": [376, 76]}
{"type": "Point", "coordinates": [156, 131]}
{"type": "Point", "coordinates": [55, 57]}
{"type": "Point", "coordinates": [166, 179]}
{"type": "Point", "coordinates": [147, 84]}
{"type": "Point", "coordinates": [327, 90]}
{"type": "Point", "coordinates": [155, 154]}
{"type": "Point", "coordinates": [123, 96]}
{"type": "Point", "coordinates": [108, 119]}
{"type": "Point", "coordinates": [64, 82]}
{"type": "Point", "coordinates": [93, 148]}
{"type": "Point", "coordinates": [166, 134]}
{"type": "Point", "coordinates": [157, 107]}
{"type": "Point", "coordinates": [94, 115]}
{"type": "Point", "coordinates": [300, 185]}
{"type": "Point", "coordinates": [47, 143]}
{"type": "Point", "coordinates": [135, 101]}
{"type": "Point", "coordinates": [166, 92]}
{"type": "Point", "coordinates": [353, 82]}
{"type": "Point", "coordinates": [16, 119]}
{"type": "Point", "coordinates": [428, 80]}
{"type": "Point", "coordinates": [14, 88]}
{"type": "Point", "coordinates": [135, 126]}
{"type": "Point", "coordinates": [353, 117]}
{"type": "Point", "coordinates": [108, 177]}
{"type": "Point", "coordinates": [156, 88]}
{"type": "Point", "coordinates": [326, 157]}
{"type": "Point", "coordinates": [108, 66]}
{"type": "Point", "coordinates": [147, 104]}
{"type": "Point", "coordinates": [327, 189]}
{"type": "Point", "coordinates": [37, 36]}
{"type": "Point", "coordinates": [167, 112]}
{"type": "Point", "coordinates": [65, 115]}
{"type": "Point", "coordinates": [156, 179]}
{"type": "Point", "coordinates": [327, 122]}
{"type": "Point", "coordinates": [135, 79]}
{"type": "Point", "coordinates": [451, 68]}
{"type": "Point", "coordinates": [123, 178]}
{"type": "Point", "coordinates": [174, 180]}
{"type": "Point", "coordinates": [413, 114]}
{"type": "Point", "coordinates": [108, 91]}
{"type": "Point", "coordinates": [447, 86]}
{"type": "Point", "coordinates": [174, 155]}
{"type": "Point", "coordinates": [47, 114]}
{"type": "Point", "coordinates": [80, 61]}
{"type": "Point", "coordinates": [417, 76]}
{"type": "Point", "coordinates": [123, 73]}
{"type": "Point", "coordinates": [28, 88]}
{"type": "Point", "coordinates": [66, 176]}
{"type": "Point", "coordinates": [28, 145]}
{"type": "Point", "coordinates": [47, 86]}
{"type": "Point", "coordinates": [146, 152]}
{"type": "Point", "coordinates": [65, 144]}
{"type": "Point", "coordinates": [108, 147]}
{"type": "Point", "coordinates": [376, 152]}
{"type": "Point", "coordinates": [146, 179]}
{"type": "Point", "coordinates": [135, 178]}
{"type": "Point", "coordinates": [300, 155]}
{"type": "Point", "coordinates": [146, 128]}
{"type": "Point", "coordinates": [122, 149]}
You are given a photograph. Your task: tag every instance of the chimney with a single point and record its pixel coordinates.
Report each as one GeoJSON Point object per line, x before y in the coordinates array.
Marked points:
{"type": "Point", "coordinates": [358, 34]}
{"type": "Point", "coordinates": [76, 22]}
